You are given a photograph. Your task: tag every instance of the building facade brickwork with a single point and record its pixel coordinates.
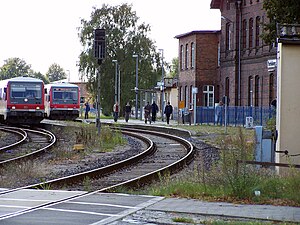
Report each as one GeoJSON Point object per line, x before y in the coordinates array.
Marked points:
{"type": "Point", "coordinates": [198, 62]}
{"type": "Point", "coordinates": [244, 75]}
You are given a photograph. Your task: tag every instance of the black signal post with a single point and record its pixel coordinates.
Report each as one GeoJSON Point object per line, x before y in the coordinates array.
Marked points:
{"type": "Point", "coordinates": [99, 54]}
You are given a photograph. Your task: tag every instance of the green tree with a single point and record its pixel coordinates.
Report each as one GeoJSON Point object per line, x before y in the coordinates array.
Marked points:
{"type": "Point", "coordinates": [174, 67]}
{"type": "Point", "coordinates": [125, 36]}
{"type": "Point", "coordinates": [279, 11]}
{"type": "Point", "coordinates": [55, 73]}
{"type": "Point", "coordinates": [40, 76]}
{"type": "Point", "coordinates": [14, 67]}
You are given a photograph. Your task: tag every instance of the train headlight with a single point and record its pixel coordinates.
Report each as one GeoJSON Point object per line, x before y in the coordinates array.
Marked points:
{"type": "Point", "coordinates": [13, 107]}
{"type": "Point", "coordinates": [25, 100]}
{"type": "Point", "coordinates": [37, 107]}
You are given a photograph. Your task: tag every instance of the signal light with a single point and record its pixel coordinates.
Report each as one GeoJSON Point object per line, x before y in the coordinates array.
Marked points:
{"type": "Point", "coordinates": [99, 44]}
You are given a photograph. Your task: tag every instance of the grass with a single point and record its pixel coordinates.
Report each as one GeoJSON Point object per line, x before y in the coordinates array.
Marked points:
{"type": "Point", "coordinates": [227, 181]}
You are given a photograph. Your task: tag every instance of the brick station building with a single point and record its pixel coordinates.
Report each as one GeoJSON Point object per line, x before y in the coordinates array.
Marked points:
{"type": "Point", "coordinates": [232, 62]}
{"type": "Point", "coordinates": [198, 62]}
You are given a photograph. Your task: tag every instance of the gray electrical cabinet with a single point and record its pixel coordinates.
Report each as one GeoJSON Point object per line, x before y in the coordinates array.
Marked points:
{"type": "Point", "coordinates": [265, 146]}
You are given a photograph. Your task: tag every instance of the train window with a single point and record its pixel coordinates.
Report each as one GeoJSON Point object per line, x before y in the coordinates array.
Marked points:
{"type": "Point", "coordinates": [65, 93]}
{"type": "Point", "coordinates": [29, 90]}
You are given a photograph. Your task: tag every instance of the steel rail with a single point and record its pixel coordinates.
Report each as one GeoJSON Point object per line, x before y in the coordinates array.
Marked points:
{"type": "Point", "coordinates": [154, 175]}
{"type": "Point", "coordinates": [95, 172]}
{"type": "Point", "coordinates": [15, 130]}
{"type": "Point", "coordinates": [99, 172]}
{"type": "Point", "coordinates": [52, 140]}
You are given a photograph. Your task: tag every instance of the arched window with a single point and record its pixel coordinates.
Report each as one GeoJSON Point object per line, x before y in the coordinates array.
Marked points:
{"type": "Point", "coordinates": [227, 37]}
{"type": "Point", "coordinates": [192, 55]}
{"type": "Point", "coordinates": [191, 96]}
{"type": "Point", "coordinates": [250, 91]}
{"type": "Point", "coordinates": [186, 56]}
{"type": "Point", "coordinates": [180, 94]}
{"type": "Point", "coordinates": [227, 86]}
{"type": "Point", "coordinates": [186, 96]}
{"type": "Point", "coordinates": [257, 31]}
{"type": "Point", "coordinates": [256, 91]}
{"type": "Point", "coordinates": [244, 34]}
{"type": "Point", "coordinates": [250, 33]}
{"type": "Point", "coordinates": [181, 57]}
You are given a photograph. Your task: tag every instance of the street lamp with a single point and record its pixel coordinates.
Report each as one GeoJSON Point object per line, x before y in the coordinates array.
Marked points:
{"type": "Point", "coordinates": [116, 79]}
{"type": "Point", "coordinates": [136, 84]}
{"type": "Point", "coordinates": [162, 84]}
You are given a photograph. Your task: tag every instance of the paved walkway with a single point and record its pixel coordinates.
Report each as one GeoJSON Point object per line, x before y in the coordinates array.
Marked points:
{"type": "Point", "coordinates": [137, 121]}
{"type": "Point", "coordinates": [223, 209]}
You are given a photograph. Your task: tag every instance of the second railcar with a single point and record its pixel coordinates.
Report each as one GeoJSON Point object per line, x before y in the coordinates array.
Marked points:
{"type": "Point", "coordinates": [62, 101]}
{"type": "Point", "coordinates": [22, 100]}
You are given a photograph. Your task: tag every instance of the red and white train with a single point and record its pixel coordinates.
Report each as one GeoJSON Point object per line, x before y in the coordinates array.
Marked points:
{"type": "Point", "coordinates": [22, 100]}
{"type": "Point", "coordinates": [62, 101]}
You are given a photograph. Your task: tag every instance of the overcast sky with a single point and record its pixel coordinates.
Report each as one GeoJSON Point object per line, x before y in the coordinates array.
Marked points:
{"type": "Point", "coordinates": [43, 32]}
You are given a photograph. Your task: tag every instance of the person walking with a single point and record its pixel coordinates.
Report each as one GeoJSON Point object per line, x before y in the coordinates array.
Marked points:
{"type": "Point", "coordinates": [147, 112]}
{"type": "Point", "coordinates": [127, 111]}
{"type": "Point", "coordinates": [116, 111]}
{"type": "Point", "coordinates": [154, 111]}
{"type": "Point", "coordinates": [87, 109]}
{"type": "Point", "coordinates": [168, 111]}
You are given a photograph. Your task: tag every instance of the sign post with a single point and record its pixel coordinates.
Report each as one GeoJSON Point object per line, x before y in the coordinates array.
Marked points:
{"type": "Point", "coordinates": [195, 92]}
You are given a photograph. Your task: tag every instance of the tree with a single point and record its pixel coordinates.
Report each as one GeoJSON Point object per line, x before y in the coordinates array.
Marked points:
{"type": "Point", "coordinates": [279, 11]}
{"type": "Point", "coordinates": [124, 37]}
{"type": "Point", "coordinates": [174, 67]}
{"type": "Point", "coordinates": [40, 76]}
{"type": "Point", "coordinates": [14, 67]}
{"type": "Point", "coordinates": [55, 73]}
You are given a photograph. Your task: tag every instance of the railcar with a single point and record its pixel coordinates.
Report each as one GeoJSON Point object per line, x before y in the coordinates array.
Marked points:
{"type": "Point", "coordinates": [22, 101]}
{"type": "Point", "coordinates": [62, 101]}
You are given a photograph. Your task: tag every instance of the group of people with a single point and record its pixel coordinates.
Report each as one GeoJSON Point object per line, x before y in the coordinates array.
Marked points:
{"type": "Point", "coordinates": [150, 111]}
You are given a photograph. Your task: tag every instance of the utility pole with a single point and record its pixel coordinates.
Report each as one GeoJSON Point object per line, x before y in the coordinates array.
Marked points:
{"type": "Point", "coordinates": [136, 84]}
{"type": "Point", "coordinates": [162, 84]}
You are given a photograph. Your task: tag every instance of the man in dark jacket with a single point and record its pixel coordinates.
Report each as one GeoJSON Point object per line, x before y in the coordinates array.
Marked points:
{"type": "Point", "coordinates": [87, 109]}
{"type": "Point", "coordinates": [127, 111]}
{"type": "Point", "coordinates": [154, 111]}
{"type": "Point", "coordinates": [168, 111]}
{"type": "Point", "coordinates": [147, 112]}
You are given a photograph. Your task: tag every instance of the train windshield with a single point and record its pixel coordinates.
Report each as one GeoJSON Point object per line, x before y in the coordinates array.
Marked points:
{"type": "Point", "coordinates": [26, 90]}
{"type": "Point", "coordinates": [65, 94]}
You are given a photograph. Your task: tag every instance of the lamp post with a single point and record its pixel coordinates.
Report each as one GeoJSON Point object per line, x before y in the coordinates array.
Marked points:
{"type": "Point", "coordinates": [116, 79]}
{"type": "Point", "coordinates": [162, 84]}
{"type": "Point", "coordinates": [68, 75]}
{"type": "Point", "coordinates": [136, 84]}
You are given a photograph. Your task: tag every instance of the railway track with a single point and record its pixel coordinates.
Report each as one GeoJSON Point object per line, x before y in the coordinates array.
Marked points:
{"type": "Point", "coordinates": [31, 143]}
{"type": "Point", "coordinates": [165, 153]}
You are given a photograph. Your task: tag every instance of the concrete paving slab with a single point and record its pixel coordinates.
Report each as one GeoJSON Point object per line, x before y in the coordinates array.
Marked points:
{"type": "Point", "coordinates": [263, 212]}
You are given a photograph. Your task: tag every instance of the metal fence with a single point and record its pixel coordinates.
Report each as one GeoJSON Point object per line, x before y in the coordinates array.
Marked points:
{"type": "Point", "coordinates": [235, 115]}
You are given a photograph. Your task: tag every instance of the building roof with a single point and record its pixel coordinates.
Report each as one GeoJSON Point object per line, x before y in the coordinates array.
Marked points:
{"type": "Point", "coordinates": [197, 32]}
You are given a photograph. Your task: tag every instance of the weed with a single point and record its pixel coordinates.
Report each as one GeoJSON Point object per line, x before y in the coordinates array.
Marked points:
{"type": "Point", "coordinates": [87, 184]}
{"type": "Point", "coordinates": [183, 220]}
{"type": "Point", "coordinates": [44, 186]}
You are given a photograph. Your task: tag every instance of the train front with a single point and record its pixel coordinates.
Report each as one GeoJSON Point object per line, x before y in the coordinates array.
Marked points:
{"type": "Point", "coordinates": [64, 102]}
{"type": "Point", "coordinates": [25, 101]}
